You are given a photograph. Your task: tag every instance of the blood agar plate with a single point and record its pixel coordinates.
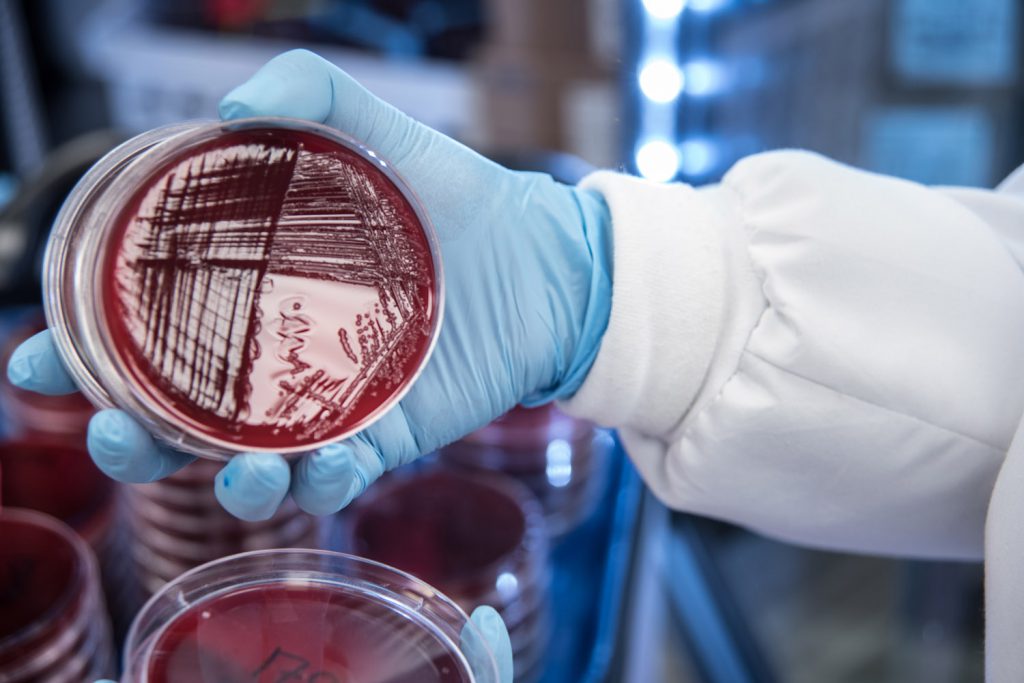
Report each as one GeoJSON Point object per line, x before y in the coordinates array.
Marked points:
{"type": "Point", "coordinates": [308, 616]}
{"type": "Point", "coordinates": [259, 285]}
{"type": "Point", "coordinates": [478, 537]}
{"type": "Point", "coordinates": [562, 460]}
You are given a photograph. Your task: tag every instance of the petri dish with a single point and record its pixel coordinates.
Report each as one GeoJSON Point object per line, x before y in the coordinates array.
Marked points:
{"type": "Point", "coordinates": [178, 525]}
{"type": "Point", "coordinates": [479, 537]}
{"type": "Point", "coordinates": [57, 477]}
{"type": "Point", "coordinates": [256, 285]}
{"type": "Point", "coordinates": [562, 460]}
{"type": "Point", "coordinates": [305, 616]}
{"type": "Point", "coordinates": [52, 622]}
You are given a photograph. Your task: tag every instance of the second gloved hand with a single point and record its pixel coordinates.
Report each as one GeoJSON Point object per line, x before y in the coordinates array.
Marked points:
{"type": "Point", "coordinates": [527, 264]}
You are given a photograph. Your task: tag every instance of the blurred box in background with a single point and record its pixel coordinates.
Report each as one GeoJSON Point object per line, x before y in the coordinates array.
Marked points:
{"type": "Point", "coordinates": [547, 77]}
{"type": "Point", "coordinates": [923, 89]}
{"type": "Point", "coordinates": [497, 74]}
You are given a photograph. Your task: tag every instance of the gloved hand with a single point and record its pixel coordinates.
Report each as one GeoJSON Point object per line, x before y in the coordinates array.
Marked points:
{"type": "Point", "coordinates": [527, 264]}
{"type": "Point", "coordinates": [495, 637]}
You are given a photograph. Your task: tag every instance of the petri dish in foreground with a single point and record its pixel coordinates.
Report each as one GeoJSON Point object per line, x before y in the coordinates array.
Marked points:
{"type": "Point", "coordinates": [256, 285]}
{"type": "Point", "coordinates": [311, 616]}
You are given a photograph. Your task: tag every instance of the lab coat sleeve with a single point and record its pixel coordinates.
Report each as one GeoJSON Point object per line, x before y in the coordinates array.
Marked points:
{"type": "Point", "coordinates": [825, 355]}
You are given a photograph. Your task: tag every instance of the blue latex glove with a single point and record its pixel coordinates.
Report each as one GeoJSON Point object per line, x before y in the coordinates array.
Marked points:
{"type": "Point", "coordinates": [527, 263]}
{"type": "Point", "coordinates": [492, 629]}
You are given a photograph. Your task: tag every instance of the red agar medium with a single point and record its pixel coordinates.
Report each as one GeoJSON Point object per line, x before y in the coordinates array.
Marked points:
{"type": "Point", "coordinates": [445, 529]}
{"type": "Point", "coordinates": [302, 632]}
{"type": "Point", "coordinates": [270, 289]}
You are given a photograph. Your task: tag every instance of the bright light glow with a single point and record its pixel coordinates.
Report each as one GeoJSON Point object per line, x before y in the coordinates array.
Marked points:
{"type": "Point", "coordinates": [704, 77]}
{"type": "Point", "coordinates": [697, 157]}
{"type": "Point", "coordinates": [707, 6]}
{"type": "Point", "coordinates": [664, 9]}
{"type": "Point", "coordinates": [658, 160]}
{"type": "Point", "coordinates": [661, 80]}
{"type": "Point", "coordinates": [507, 585]}
{"type": "Point", "coordinates": [559, 465]}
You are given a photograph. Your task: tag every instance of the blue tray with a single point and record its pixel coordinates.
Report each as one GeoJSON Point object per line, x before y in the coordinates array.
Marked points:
{"type": "Point", "coordinates": [590, 570]}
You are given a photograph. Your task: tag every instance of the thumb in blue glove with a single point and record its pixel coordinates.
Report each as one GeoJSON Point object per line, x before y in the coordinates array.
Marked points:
{"type": "Point", "coordinates": [527, 263]}
{"type": "Point", "coordinates": [491, 635]}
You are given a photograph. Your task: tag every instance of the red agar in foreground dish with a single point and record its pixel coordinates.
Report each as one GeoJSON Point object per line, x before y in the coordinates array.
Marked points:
{"type": "Point", "coordinates": [270, 289]}
{"type": "Point", "coordinates": [299, 632]}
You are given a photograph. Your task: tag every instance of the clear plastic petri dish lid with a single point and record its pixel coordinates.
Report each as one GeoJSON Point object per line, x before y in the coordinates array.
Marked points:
{"type": "Point", "coordinates": [256, 285]}
{"type": "Point", "coordinates": [312, 616]}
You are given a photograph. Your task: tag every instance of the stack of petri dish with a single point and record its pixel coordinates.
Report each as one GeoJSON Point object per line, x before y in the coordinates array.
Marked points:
{"type": "Point", "coordinates": [304, 616]}
{"type": "Point", "coordinates": [47, 468]}
{"type": "Point", "coordinates": [179, 524]}
{"type": "Point", "coordinates": [562, 460]}
{"type": "Point", "coordinates": [52, 622]}
{"type": "Point", "coordinates": [59, 478]}
{"type": "Point", "coordinates": [478, 537]}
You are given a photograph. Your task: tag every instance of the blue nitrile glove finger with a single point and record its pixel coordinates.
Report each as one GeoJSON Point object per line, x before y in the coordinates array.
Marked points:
{"type": "Point", "coordinates": [326, 481]}
{"type": "Point", "coordinates": [252, 485]}
{"type": "Point", "coordinates": [527, 267]}
{"type": "Point", "coordinates": [123, 450]}
{"type": "Point", "coordinates": [491, 629]}
{"type": "Point", "coordinates": [35, 366]}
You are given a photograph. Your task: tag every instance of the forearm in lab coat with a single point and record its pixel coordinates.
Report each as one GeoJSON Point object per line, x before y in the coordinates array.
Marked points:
{"type": "Point", "coordinates": [825, 355]}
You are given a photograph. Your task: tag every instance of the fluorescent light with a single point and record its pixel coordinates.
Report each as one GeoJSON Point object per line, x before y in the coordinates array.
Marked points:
{"type": "Point", "coordinates": [664, 9]}
{"type": "Point", "coordinates": [661, 80]}
{"type": "Point", "coordinates": [658, 160]}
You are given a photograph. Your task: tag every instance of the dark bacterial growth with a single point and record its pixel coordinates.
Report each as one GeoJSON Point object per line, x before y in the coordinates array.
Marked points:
{"type": "Point", "coordinates": [270, 289]}
{"type": "Point", "coordinates": [306, 633]}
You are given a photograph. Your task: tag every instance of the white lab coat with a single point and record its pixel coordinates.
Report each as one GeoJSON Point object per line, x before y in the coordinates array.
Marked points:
{"type": "Point", "coordinates": [830, 357]}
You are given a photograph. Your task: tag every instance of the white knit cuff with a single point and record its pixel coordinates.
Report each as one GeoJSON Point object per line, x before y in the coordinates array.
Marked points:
{"type": "Point", "coordinates": [667, 306]}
